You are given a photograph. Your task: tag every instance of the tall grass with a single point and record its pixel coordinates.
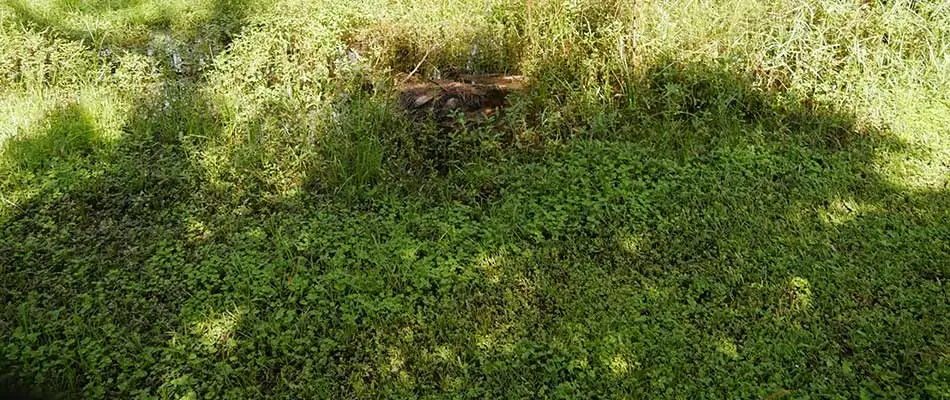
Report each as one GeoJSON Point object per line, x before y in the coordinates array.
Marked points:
{"type": "Point", "coordinates": [287, 65]}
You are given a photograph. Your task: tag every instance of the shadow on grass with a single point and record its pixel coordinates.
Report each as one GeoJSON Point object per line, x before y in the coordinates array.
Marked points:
{"type": "Point", "coordinates": [694, 235]}
{"type": "Point", "coordinates": [102, 210]}
{"type": "Point", "coordinates": [70, 134]}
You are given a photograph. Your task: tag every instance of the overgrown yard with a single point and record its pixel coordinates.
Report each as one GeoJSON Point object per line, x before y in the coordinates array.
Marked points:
{"type": "Point", "coordinates": [230, 199]}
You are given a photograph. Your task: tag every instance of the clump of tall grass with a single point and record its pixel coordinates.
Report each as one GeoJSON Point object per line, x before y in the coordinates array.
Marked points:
{"type": "Point", "coordinates": [275, 78]}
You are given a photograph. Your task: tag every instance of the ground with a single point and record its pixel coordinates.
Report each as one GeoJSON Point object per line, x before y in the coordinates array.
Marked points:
{"type": "Point", "coordinates": [229, 199]}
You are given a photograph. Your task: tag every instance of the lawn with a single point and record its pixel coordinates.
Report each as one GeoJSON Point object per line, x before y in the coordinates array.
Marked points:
{"type": "Point", "coordinates": [687, 199]}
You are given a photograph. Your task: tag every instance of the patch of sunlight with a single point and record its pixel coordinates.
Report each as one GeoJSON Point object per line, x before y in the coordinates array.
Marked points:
{"type": "Point", "coordinates": [37, 128]}
{"type": "Point", "coordinates": [409, 254]}
{"type": "Point", "coordinates": [110, 110]}
{"type": "Point", "coordinates": [486, 341]}
{"type": "Point", "coordinates": [196, 230]}
{"type": "Point", "coordinates": [799, 294]}
{"type": "Point", "coordinates": [122, 21]}
{"type": "Point", "coordinates": [620, 364]}
{"type": "Point", "coordinates": [188, 396]}
{"type": "Point", "coordinates": [396, 361]}
{"type": "Point", "coordinates": [19, 111]}
{"type": "Point", "coordinates": [217, 332]}
{"type": "Point", "coordinates": [497, 340]}
{"type": "Point", "coordinates": [923, 127]}
{"type": "Point", "coordinates": [728, 348]}
{"type": "Point", "coordinates": [22, 113]}
{"type": "Point", "coordinates": [7, 14]}
{"type": "Point", "coordinates": [655, 294]}
{"type": "Point", "coordinates": [444, 353]}
{"type": "Point", "coordinates": [257, 234]}
{"type": "Point", "coordinates": [841, 211]}
{"type": "Point", "coordinates": [452, 384]}
{"type": "Point", "coordinates": [117, 18]}
{"type": "Point", "coordinates": [629, 243]}
{"type": "Point", "coordinates": [489, 265]}
{"type": "Point", "coordinates": [408, 333]}
{"type": "Point", "coordinates": [927, 168]}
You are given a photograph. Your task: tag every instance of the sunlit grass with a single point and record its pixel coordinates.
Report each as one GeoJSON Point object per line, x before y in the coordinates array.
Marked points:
{"type": "Point", "coordinates": [118, 23]}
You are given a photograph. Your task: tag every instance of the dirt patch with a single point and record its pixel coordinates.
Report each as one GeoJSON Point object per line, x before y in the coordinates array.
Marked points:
{"type": "Point", "coordinates": [473, 97]}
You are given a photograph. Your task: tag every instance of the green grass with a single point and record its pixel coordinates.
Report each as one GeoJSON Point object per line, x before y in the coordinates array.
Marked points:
{"type": "Point", "coordinates": [222, 199]}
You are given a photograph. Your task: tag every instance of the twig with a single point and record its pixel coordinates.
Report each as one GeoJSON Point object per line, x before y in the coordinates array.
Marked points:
{"type": "Point", "coordinates": [2, 197]}
{"type": "Point", "coordinates": [418, 65]}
